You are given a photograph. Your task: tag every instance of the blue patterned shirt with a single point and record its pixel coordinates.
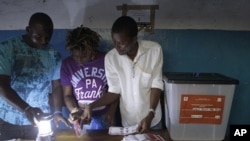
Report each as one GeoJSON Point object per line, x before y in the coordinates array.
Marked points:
{"type": "Point", "coordinates": [31, 71]}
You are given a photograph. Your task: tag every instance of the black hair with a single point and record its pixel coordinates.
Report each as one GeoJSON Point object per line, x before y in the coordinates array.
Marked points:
{"type": "Point", "coordinates": [84, 39]}
{"type": "Point", "coordinates": [41, 18]}
{"type": "Point", "coordinates": [125, 24]}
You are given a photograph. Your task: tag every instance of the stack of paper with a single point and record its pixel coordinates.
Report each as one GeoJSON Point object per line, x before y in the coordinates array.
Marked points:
{"type": "Point", "coordinates": [122, 130]}
{"type": "Point", "coordinates": [143, 137]}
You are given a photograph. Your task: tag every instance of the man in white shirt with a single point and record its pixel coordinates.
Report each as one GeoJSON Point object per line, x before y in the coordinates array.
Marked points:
{"type": "Point", "coordinates": [134, 75]}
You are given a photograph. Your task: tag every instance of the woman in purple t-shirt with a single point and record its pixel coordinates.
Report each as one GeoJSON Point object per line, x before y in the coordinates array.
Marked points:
{"type": "Point", "coordinates": [83, 77]}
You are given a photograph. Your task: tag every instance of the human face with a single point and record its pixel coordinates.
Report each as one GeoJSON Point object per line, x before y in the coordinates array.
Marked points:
{"type": "Point", "coordinates": [124, 44]}
{"type": "Point", "coordinates": [80, 56]}
{"type": "Point", "coordinates": [39, 36]}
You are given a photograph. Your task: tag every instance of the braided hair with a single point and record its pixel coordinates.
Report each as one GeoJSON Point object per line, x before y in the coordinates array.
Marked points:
{"type": "Point", "coordinates": [83, 39]}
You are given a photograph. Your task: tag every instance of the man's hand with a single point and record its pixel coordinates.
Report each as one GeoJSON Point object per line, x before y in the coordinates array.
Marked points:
{"type": "Point", "coordinates": [33, 114]}
{"type": "Point", "coordinates": [59, 118]}
{"type": "Point", "coordinates": [145, 123]}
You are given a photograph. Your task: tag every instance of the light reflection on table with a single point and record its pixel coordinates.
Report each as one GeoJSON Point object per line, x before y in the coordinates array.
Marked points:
{"type": "Point", "coordinates": [99, 135]}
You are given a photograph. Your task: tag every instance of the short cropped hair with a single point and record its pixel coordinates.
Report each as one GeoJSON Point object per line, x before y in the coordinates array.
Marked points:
{"type": "Point", "coordinates": [125, 24]}
{"type": "Point", "coordinates": [41, 18]}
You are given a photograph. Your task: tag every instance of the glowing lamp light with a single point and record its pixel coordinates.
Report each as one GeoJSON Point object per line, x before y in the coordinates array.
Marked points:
{"type": "Point", "coordinates": [45, 132]}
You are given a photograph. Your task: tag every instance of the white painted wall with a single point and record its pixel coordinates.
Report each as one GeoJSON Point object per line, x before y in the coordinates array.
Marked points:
{"type": "Point", "coordinates": [172, 14]}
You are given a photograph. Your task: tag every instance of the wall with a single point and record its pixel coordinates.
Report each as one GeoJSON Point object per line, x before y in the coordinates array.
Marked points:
{"type": "Point", "coordinates": [172, 14]}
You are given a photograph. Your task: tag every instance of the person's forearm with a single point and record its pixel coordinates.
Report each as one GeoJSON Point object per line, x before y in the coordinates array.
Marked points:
{"type": "Point", "coordinates": [113, 107]}
{"type": "Point", "coordinates": [106, 99]}
{"type": "Point", "coordinates": [8, 94]}
{"type": "Point", "coordinates": [57, 95]}
{"type": "Point", "coordinates": [57, 100]}
{"type": "Point", "coordinates": [154, 97]}
{"type": "Point", "coordinates": [154, 100]}
{"type": "Point", "coordinates": [70, 102]}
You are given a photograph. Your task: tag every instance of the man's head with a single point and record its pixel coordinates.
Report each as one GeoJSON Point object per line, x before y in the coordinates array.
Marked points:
{"type": "Point", "coordinates": [39, 30]}
{"type": "Point", "coordinates": [82, 43]}
{"type": "Point", "coordinates": [124, 34]}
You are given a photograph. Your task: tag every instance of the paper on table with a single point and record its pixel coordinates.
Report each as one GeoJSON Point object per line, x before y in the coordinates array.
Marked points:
{"type": "Point", "coordinates": [143, 137]}
{"type": "Point", "coordinates": [79, 132]}
{"type": "Point", "coordinates": [140, 137]}
{"type": "Point", "coordinates": [113, 130]}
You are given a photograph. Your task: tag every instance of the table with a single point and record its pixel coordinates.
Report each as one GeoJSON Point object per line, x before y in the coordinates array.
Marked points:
{"type": "Point", "coordinates": [99, 135]}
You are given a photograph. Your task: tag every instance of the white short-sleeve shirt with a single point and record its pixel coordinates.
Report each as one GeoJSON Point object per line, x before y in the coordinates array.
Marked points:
{"type": "Point", "coordinates": [134, 80]}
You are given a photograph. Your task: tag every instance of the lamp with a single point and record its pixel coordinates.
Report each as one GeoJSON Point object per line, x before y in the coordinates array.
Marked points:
{"type": "Point", "coordinates": [45, 132]}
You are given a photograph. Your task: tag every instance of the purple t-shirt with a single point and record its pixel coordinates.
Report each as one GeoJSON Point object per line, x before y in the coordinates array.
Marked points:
{"type": "Point", "coordinates": [88, 80]}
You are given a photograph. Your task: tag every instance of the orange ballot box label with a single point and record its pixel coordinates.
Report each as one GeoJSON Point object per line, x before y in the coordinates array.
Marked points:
{"type": "Point", "coordinates": [201, 109]}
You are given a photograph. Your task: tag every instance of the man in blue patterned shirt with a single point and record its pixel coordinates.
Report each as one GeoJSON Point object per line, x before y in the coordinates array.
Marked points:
{"type": "Point", "coordinates": [29, 71]}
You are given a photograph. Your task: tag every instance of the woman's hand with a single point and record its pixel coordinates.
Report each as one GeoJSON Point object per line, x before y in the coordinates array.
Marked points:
{"type": "Point", "coordinates": [86, 115]}
{"type": "Point", "coordinates": [80, 116]}
{"type": "Point", "coordinates": [75, 114]}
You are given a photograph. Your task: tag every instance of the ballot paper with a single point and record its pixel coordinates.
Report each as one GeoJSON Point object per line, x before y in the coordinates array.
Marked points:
{"type": "Point", "coordinates": [114, 130]}
{"type": "Point", "coordinates": [143, 137]}
{"type": "Point", "coordinates": [78, 130]}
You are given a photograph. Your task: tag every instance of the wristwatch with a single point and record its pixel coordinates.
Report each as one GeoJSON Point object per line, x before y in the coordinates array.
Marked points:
{"type": "Point", "coordinates": [152, 111]}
